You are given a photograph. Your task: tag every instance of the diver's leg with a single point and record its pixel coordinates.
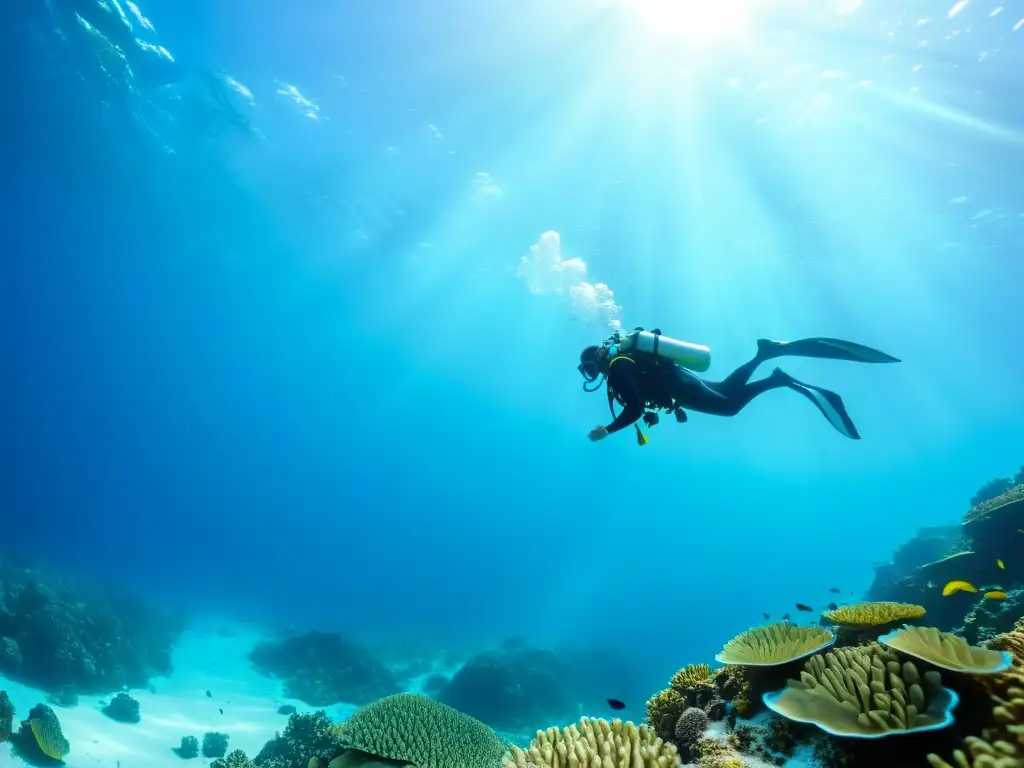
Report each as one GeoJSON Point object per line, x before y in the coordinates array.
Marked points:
{"type": "Point", "coordinates": [733, 384]}
{"type": "Point", "coordinates": [729, 398]}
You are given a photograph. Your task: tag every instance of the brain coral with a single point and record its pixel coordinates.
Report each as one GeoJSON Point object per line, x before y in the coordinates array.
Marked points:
{"type": "Point", "coordinates": [663, 710]}
{"type": "Point", "coordinates": [422, 731]}
{"type": "Point", "coordinates": [774, 644]}
{"type": "Point", "coordinates": [593, 742]}
{"type": "Point", "coordinates": [864, 693]}
{"type": "Point", "coordinates": [873, 614]}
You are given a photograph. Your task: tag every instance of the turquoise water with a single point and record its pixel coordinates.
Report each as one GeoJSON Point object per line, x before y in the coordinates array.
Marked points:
{"type": "Point", "coordinates": [292, 299]}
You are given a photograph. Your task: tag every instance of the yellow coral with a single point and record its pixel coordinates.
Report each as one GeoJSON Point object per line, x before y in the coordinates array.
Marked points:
{"type": "Point", "coordinates": [864, 692]}
{"type": "Point", "coordinates": [691, 676]}
{"type": "Point", "coordinates": [946, 650]}
{"type": "Point", "coordinates": [873, 614]}
{"type": "Point", "coordinates": [1001, 745]}
{"type": "Point", "coordinates": [46, 729]}
{"type": "Point", "coordinates": [717, 754]}
{"type": "Point", "coordinates": [595, 742]}
{"type": "Point", "coordinates": [1012, 641]}
{"type": "Point", "coordinates": [663, 710]}
{"type": "Point", "coordinates": [774, 644]}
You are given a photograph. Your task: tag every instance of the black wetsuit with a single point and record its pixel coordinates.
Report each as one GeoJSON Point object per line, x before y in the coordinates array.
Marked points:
{"type": "Point", "coordinates": [637, 382]}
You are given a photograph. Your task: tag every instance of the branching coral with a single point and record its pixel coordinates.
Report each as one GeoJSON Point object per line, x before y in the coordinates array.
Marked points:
{"type": "Point", "coordinates": [717, 754]}
{"type": "Point", "coordinates": [774, 644]}
{"type": "Point", "coordinates": [946, 650]}
{"type": "Point", "coordinates": [865, 693]}
{"type": "Point", "coordinates": [305, 736]}
{"type": "Point", "coordinates": [1002, 745]}
{"type": "Point", "coordinates": [873, 614]}
{"type": "Point", "coordinates": [236, 759]}
{"type": "Point", "coordinates": [984, 508]}
{"type": "Point", "coordinates": [420, 730]}
{"type": "Point", "coordinates": [593, 742]}
{"type": "Point", "coordinates": [690, 676]}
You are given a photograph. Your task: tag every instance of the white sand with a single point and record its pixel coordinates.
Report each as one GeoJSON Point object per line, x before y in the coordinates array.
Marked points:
{"type": "Point", "coordinates": [204, 660]}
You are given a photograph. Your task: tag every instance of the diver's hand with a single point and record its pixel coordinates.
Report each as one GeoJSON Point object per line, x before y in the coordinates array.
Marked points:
{"type": "Point", "coordinates": [598, 433]}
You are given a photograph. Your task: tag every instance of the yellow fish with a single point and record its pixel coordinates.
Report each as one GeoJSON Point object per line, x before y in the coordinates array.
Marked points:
{"type": "Point", "coordinates": [958, 586]}
{"type": "Point", "coordinates": [640, 438]}
{"type": "Point", "coordinates": [995, 594]}
{"type": "Point", "coordinates": [1000, 563]}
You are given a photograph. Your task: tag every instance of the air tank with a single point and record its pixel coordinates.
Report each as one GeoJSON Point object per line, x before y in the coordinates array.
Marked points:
{"type": "Point", "coordinates": [694, 357]}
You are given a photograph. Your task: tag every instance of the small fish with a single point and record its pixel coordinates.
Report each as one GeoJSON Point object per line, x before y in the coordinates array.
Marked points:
{"type": "Point", "coordinates": [616, 704]}
{"type": "Point", "coordinates": [958, 585]}
{"type": "Point", "coordinates": [1000, 564]}
{"type": "Point", "coordinates": [834, 590]}
{"type": "Point", "coordinates": [802, 607]}
{"type": "Point", "coordinates": [995, 594]}
{"type": "Point", "coordinates": [221, 711]}
{"type": "Point", "coordinates": [766, 616]}
{"type": "Point", "coordinates": [209, 695]}
{"type": "Point", "coordinates": [833, 607]}
{"type": "Point", "coordinates": [785, 617]}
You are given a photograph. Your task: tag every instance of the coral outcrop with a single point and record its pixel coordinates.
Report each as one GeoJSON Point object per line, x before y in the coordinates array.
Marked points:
{"type": "Point", "coordinates": [322, 668]}
{"type": "Point", "coordinates": [518, 690]}
{"type": "Point", "coordinates": [123, 708]}
{"type": "Point", "coordinates": [40, 736]}
{"type": "Point", "coordinates": [59, 637]}
{"type": "Point", "coordinates": [305, 736]}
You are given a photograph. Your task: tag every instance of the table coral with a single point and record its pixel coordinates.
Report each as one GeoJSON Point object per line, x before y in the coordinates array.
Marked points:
{"type": "Point", "coordinates": [946, 650]}
{"type": "Point", "coordinates": [774, 644]}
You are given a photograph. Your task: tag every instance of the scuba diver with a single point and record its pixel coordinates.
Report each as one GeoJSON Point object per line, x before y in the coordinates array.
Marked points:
{"type": "Point", "coordinates": [647, 372]}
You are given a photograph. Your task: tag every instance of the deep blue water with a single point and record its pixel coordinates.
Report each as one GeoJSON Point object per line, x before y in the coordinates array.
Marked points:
{"type": "Point", "coordinates": [296, 378]}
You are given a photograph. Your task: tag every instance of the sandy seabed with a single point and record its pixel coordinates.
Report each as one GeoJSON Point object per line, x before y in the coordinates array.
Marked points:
{"type": "Point", "coordinates": [214, 661]}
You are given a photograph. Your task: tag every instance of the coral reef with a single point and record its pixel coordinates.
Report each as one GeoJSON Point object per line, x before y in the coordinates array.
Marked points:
{"type": "Point", "coordinates": [663, 710]}
{"type": "Point", "coordinates": [421, 730]}
{"type": "Point", "coordinates": [946, 650]}
{"type": "Point", "coordinates": [6, 716]}
{"type": "Point", "coordinates": [55, 637]}
{"type": "Point", "coordinates": [988, 493]}
{"type": "Point", "coordinates": [864, 692]}
{"type": "Point", "coordinates": [188, 748]}
{"type": "Point", "coordinates": [306, 736]}
{"type": "Point", "coordinates": [122, 708]}
{"type": "Point", "coordinates": [989, 618]}
{"type": "Point", "coordinates": [774, 644]}
{"type": "Point", "coordinates": [236, 759]}
{"type": "Point", "coordinates": [324, 668]}
{"type": "Point", "coordinates": [691, 676]}
{"type": "Point", "coordinates": [592, 742]}
{"type": "Point", "coordinates": [215, 744]}
{"type": "Point", "coordinates": [862, 623]}
{"type": "Point", "coordinates": [520, 690]}
{"type": "Point", "coordinates": [1010, 494]}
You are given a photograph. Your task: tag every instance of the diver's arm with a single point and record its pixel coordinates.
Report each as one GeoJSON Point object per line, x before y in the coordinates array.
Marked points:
{"type": "Point", "coordinates": [622, 378]}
